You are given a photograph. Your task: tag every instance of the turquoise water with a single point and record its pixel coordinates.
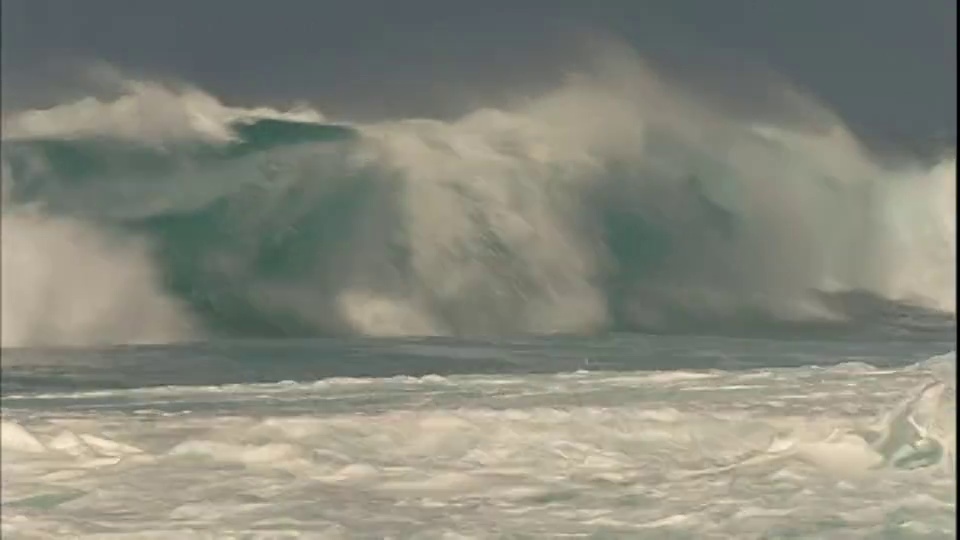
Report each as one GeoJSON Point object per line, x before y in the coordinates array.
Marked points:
{"type": "Point", "coordinates": [299, 229]}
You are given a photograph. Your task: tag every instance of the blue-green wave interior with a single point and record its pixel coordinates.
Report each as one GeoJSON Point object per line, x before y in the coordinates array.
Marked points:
{"type": "Point", "coordinates": [288, 202]}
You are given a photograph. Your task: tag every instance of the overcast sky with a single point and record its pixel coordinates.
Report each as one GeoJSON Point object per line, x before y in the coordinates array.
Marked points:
{"type": "Point", "coordinates": [887, 66]}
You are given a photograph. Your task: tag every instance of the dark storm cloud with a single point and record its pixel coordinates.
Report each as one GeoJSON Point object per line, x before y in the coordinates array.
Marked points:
{"type": "Point", "coordinates": [887, 66]}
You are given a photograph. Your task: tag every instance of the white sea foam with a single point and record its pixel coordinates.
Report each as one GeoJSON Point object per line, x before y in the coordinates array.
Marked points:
{"type": "Point", "coordinates": [65, 282]}
{"type": "Point", "coordinates": [623, 454]}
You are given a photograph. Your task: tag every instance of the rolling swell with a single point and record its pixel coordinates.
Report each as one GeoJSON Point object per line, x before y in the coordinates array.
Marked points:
{"type": "Point", "coordinates": [519, 222]}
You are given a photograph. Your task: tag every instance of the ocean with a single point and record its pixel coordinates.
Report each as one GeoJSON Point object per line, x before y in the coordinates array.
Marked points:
{"type": "Point", "coordinates": [610, 311]}
{"type": "Point", "coordinates": [623, 436]}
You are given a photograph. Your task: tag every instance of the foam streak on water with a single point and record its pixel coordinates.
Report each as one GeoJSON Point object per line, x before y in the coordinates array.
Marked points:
{"type": "Point", "coordinates": [848, 451]}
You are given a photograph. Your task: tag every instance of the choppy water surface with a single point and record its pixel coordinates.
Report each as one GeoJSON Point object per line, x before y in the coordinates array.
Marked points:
{"type": "Point", "coordinates": [448, 439]}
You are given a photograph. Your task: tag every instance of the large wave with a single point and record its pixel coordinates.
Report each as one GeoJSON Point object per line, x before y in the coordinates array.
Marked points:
{"type": "Point", "coordinates": [616, 201]}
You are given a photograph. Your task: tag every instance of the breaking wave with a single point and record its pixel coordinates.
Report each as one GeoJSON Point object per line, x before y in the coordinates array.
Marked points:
{"type": "Point", "coordinates": [614, 202]}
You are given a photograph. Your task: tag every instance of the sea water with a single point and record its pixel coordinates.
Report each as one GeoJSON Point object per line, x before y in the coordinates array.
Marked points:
{"type": "Point", "coordinates": [626, 436]}
{"type": "Point", "coordinates": [242, 322]}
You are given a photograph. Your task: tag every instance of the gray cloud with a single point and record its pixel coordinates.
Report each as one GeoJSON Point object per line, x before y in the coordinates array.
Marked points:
{"type": "Point", "coordinates": [887, 66]}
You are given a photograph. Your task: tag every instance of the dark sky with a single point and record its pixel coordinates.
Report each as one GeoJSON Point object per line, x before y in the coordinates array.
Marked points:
{"type": "Point", "coordinates": [887, 66]}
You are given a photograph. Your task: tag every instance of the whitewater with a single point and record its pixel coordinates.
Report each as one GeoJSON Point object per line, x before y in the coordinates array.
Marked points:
{"type": "Point", "coordinates": [616, 309]}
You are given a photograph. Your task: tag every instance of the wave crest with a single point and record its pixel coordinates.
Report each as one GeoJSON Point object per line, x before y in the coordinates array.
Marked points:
{"type": "Point", "coordinates": [614, 202]}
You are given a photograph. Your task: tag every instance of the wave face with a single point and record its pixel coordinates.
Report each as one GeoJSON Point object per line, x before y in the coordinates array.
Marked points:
{"type": "Point", "coordinates": [615, 202]}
